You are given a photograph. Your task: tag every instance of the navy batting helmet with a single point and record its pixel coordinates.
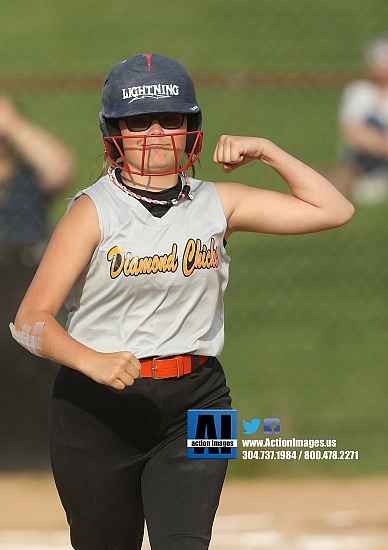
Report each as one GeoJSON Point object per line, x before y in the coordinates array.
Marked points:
{"type": "Point", "coordinates": [149, 83]}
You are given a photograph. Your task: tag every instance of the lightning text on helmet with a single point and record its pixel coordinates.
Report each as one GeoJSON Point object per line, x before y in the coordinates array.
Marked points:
{"type": "Point", "coordinates": [155, 91]}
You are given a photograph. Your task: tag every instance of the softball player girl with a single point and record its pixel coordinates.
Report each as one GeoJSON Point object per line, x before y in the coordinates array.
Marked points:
{"type": "Point", "coordinates": [139, 260]}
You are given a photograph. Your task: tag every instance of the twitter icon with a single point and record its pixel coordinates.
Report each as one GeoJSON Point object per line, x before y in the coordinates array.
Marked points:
{"type": "Point", "coordinates": [252, 426]}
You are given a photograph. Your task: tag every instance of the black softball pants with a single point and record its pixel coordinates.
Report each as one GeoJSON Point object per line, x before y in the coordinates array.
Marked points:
{"type": "Point", "coordinates": [120, 458]}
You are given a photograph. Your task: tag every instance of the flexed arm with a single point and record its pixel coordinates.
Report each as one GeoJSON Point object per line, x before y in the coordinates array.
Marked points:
{"type": "Point", "coordinates": [313, 205]}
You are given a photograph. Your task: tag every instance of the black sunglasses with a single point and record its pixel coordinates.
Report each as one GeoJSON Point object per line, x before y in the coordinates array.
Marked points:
{"type": "Point", "coordinates": [168, 121]}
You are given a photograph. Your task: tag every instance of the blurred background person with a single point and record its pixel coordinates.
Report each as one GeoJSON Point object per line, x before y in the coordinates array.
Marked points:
{"type": "Point", "coordinates": [363, 126]}
{"type": "Point", "coordinates": [35, 168]}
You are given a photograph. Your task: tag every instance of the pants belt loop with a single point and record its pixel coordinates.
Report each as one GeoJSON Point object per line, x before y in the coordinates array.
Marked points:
{"type": "Point", "coordinates": [179, 363]}
{"type": "Point", "coordinates": [196, 367]}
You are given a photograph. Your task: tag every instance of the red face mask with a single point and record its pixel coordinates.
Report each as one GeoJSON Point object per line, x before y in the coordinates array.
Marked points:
{"type": "Point", "coordinates": [193, 150]}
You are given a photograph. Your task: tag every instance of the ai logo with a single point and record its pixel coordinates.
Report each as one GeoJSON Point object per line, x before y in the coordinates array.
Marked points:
{"type": "Point", "coordinates": [211, 433]}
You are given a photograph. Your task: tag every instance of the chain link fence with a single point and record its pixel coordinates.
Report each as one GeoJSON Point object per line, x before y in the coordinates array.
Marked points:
{"type": "Point", "coordinates": [306, 329]}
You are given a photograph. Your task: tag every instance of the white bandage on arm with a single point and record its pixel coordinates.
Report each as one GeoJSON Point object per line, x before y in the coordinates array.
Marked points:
{"type": "Point", "coordinates": [33, 342]}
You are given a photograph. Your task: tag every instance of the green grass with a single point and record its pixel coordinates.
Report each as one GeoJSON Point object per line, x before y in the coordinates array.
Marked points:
{"type": "Point", "coordinates": [53, 37]}
{"type": "Point", "coordinates": [306, 316]}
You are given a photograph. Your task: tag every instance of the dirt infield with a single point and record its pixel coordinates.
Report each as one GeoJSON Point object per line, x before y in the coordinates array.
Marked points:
{"type": "Point", "coordinates": [316, 514]}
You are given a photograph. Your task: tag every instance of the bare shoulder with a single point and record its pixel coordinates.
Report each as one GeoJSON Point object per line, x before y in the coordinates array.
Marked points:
{"type": "Point", "coordinates": [228, 192]}
{"type": "Point", "coordinates": [226, 188]}
{"type": "Point", "coordinates": [233, 190]}
{"type": "Point", "coordinates": [80, 222]}
{"type": "Point", "coordinates": [82, 206]}
{"type": "Point", "coordinates": [232, 193]}
{"type": "Point", "coordinates": [82, 211]}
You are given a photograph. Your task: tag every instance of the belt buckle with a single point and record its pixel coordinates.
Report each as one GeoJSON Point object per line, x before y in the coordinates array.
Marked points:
{"type": "Point", "coordinates": [178, 361]}
{"type": "Point", "coordinates": [153, 369]}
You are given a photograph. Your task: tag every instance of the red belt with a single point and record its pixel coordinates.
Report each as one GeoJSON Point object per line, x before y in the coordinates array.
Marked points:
{"type": "Point", "coordinates": [171, 367]}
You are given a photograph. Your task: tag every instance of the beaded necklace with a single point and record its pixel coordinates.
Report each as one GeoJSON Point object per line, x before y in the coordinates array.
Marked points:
{"type": "Point", "coordinates": [184, 193]}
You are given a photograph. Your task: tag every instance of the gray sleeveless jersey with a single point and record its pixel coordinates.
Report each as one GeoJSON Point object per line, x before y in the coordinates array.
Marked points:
{"type": "Point", "coordinates": [154, 286]}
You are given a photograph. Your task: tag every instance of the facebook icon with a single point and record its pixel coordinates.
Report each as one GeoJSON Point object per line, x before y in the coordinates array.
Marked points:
{"type": "Point", "coordinates": [271, 426]}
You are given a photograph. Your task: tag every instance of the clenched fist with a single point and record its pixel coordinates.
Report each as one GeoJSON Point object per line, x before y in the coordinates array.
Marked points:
{"type": "Point", "coordinates": [117, 370]}
{"type": "Point", "coordinates": [235, 151]}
